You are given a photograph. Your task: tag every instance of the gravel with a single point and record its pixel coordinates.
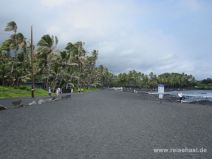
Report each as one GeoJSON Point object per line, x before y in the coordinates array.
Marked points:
{"type": "Point", "coordinates": [105, 125]}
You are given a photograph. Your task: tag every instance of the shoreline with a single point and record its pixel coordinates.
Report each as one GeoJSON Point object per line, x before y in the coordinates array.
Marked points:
{"type": "Point", "coordinates": [167, 97]}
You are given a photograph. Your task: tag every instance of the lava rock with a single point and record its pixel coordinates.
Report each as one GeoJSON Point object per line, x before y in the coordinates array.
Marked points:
{"type": "Point", "coordinates": [17, 102]}
{"type": "Point", "coordinates": [2, 107]}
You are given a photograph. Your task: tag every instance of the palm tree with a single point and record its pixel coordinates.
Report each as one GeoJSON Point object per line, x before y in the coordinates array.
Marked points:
{"type": "Point", "coordinates": [77, 57]}
{"type": "Point", "coordinates": [16, 47]}
{"type": "Point", "coordinates": [46, 47]}
{"type": "Point", "coordinates": [11, 26]}
{"type": "Point", "coordinates": [73, 65]}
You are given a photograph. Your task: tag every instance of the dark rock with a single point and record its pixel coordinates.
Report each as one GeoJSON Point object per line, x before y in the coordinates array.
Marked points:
{"type": "Point", "coordinates": [203, 102]}
{"type": "Point", "coordinates": [2, 107]}
{"type": "Point", "coordinates": [17, 102]}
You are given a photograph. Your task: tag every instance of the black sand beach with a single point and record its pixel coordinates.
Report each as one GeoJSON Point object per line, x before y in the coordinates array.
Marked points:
{"type": "Point", "coordinates": [105, 125]}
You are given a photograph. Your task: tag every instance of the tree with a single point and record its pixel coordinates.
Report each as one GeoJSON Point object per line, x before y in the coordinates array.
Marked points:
{"type": "Point", "coordinates": [13, 50]}
{"type": "Point", "coordinates": [11, 26]}
{"type": "Point", "coordinates": [46, 47]}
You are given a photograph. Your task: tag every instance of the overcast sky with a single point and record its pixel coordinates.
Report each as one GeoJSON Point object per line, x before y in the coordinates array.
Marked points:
{"type": "Point", "coordinates": [146, 35]}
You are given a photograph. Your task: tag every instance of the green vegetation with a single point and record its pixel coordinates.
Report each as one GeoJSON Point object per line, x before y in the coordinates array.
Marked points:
{"type": "Point", "coordinates": [22, 91]}
{"type": "Point", "coordinates": [205, 84]}
{"type": "Point", "coordinates": [140, 80]}
{"type": "Point", "coordinates": [71, 67]}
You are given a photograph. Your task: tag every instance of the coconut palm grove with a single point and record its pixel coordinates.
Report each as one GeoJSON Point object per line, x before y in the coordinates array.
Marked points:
{"type": "Point", "coordinates": [47, 65]}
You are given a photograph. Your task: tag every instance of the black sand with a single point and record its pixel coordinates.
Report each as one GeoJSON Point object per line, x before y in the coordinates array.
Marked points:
{"type": "Point", "coordinates": [105, 125]}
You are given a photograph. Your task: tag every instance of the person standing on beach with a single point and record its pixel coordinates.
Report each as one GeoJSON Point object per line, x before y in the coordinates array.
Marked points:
{"type": "Point", "coordinates": [160, 97]}
{"type": "Point", "coordinates": [160, 92]}
{"type": "Point", "coordinates": [180, 95]}
{"type": "Point", "coordinates": [50, 92]}
{"type": "Point", "coordinates": [57, 91]}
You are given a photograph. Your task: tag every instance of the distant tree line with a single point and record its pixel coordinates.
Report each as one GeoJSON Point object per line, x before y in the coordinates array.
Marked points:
{"type": "Point", "coordinates": [151, 81]}
{"type": "Point", "coordinates": [72, 65]}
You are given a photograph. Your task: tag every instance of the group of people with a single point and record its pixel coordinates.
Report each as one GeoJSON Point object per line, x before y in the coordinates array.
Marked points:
{"type": "Point", "coordinates": [58, 91]}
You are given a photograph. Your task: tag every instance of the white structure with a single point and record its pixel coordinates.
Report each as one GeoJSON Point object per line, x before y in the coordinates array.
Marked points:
{"type": "Point", "coordinates": [160, 91]}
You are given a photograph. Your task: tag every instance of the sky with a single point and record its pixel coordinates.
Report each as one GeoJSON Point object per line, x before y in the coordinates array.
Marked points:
{"type": "Point", "coordinates": [146, 35]}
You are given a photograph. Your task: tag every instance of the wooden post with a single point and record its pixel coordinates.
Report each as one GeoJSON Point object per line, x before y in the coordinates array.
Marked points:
{"type": "Point", "coordinates": [32, 62]}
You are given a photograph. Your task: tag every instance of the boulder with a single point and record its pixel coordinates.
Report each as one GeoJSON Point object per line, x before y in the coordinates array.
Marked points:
{"type": "Point", "coordinates": [17, 103]}
{"type": "Point", "coordinates": [2, 107]}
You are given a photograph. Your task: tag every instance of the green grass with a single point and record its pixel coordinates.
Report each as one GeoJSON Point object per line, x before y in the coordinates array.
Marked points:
{"type": "Point", "coordinates": [22, 91]}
